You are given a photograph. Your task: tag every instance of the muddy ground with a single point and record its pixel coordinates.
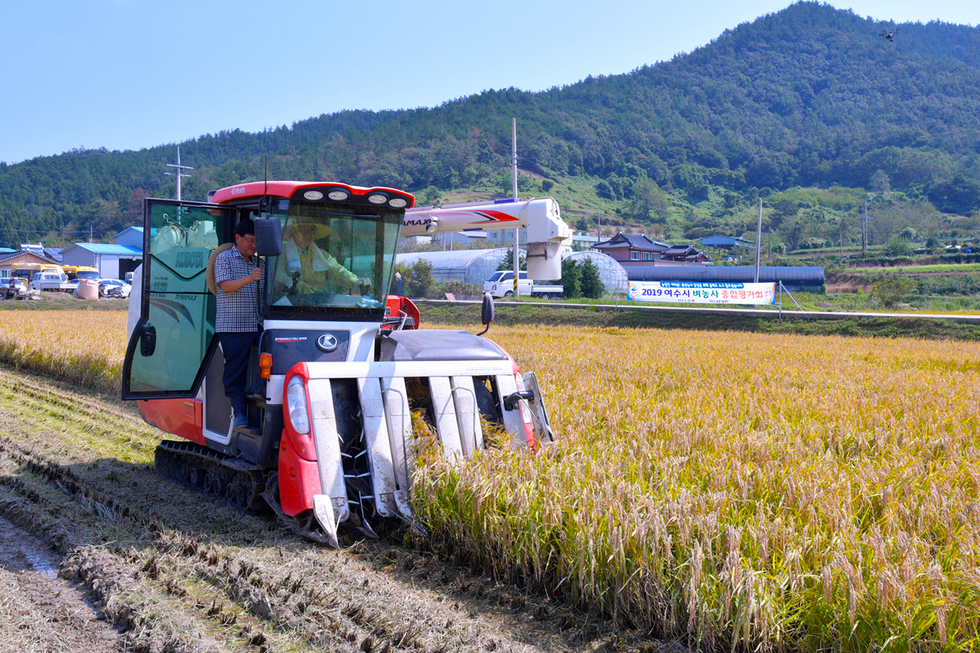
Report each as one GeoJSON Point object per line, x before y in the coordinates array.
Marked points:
{"type": "Point", "coordinates": [98, 553]}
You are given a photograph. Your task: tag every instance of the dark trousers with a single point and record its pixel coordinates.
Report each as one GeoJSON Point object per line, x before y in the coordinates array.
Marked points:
{"type": "Point", "coordinates": [237, 348]}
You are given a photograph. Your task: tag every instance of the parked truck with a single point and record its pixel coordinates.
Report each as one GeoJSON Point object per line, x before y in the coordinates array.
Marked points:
{"type": "Point", "coordinates": [27, 271]}
{"type": "Point", "coordinates": [51, 279]}
{"type": "Point", "coordinates": [79, 272]}
{"type": "Point", "coordinates": [501, 284]}
{"type": "Point", "coordinates": [338, 373]}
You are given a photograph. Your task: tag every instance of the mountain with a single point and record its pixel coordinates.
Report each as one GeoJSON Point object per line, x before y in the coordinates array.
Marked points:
{"type": "Point", "coordinates": [808, 108]}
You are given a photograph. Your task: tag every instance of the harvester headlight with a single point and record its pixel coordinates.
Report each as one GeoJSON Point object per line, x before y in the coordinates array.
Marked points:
{"type": "Point", "coordinates": [338, 195]}
{"type": "Point", "coordinates": [296, 405]}
{"type": "Point", "coordinates": [398, 203]}
{"type": "Point", "coordinates": [377, 198]}
{"type": "Point", "coordinates": [313, 195]}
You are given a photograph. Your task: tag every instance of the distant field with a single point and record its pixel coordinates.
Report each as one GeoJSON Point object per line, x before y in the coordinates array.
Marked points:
{"type": "Point", "coordinates": [784, 492]}
{"type": "Point", "coordinates": [918, 269]}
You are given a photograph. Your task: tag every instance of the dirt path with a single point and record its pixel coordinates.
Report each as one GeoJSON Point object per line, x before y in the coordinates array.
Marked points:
{"type": "Point", "coordinates": [146, 565]}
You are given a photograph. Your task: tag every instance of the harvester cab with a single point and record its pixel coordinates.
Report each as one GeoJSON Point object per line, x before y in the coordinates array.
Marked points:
{"type": "Point", "coordinates": [341, 366]}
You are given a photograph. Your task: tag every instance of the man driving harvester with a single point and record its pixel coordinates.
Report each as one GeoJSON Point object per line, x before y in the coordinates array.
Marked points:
{"type": "Point", "coordinates": [304, 268]}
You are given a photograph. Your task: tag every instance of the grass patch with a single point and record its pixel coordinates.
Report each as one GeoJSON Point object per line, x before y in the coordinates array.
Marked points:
{"type": "Point", "coordinates": [940, 268]}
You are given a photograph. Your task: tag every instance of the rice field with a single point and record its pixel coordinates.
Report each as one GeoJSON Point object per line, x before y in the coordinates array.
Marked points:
{"type": "Point", "coordinates": [767, 492]}
{"type": "Point", "coordinates": [82, 347]}
{"type": "Point", "coordinates": [776, 492]}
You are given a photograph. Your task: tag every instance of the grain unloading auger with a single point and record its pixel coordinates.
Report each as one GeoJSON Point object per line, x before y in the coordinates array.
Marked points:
{"type": "Point", "coordinates": [339, 372]}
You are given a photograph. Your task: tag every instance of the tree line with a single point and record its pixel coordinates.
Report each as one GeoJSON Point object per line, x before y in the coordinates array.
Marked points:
{"type": "Point", "coordinates": [810, 97]}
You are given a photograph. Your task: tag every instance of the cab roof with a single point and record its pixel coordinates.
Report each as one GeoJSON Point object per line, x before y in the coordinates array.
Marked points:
{"type": "Point", "coordinates": [289, 189]}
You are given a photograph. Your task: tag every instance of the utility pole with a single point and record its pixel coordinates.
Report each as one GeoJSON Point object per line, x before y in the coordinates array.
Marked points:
{"type": "Point", "coordinates": [758, 242]}
{"type": "Point", "coordinates": [517, 229]}
{"type": "Point", "coordinates": [865, 224]}
{"type": "Point", "coordinates": [179, 173]}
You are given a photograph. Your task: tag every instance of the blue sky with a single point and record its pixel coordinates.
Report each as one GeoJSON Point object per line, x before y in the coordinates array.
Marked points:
{"type": "Point", "coordinates": [129, 74]}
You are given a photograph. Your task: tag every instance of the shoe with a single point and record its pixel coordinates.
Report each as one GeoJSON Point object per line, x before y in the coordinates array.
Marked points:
{"type": "Point", "coordinates": [241, 421]}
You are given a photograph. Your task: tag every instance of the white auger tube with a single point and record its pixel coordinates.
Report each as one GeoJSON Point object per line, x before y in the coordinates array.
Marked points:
{"type": "Point", "coordinates": [546, 231]}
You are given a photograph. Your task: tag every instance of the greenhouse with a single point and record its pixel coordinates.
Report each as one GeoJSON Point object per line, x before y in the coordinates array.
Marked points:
{"type": "Point", "coordinates": [611, 273]}
{"type": "Point", "coordinates": [475, 265]}
{"type": "Point", "coordinates": [793, 278]}
{"type": "Point", "coordinates": [469, 265]}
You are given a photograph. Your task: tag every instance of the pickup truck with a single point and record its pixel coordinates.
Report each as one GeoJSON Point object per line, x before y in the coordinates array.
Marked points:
{"type": "Point", "coordinates": [501, 284]}
{"type": "Point", "coordinates": [50, 280]}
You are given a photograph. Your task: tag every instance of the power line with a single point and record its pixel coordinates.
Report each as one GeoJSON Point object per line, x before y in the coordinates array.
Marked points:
{"type": "Point", "coordinates": [60, 232]}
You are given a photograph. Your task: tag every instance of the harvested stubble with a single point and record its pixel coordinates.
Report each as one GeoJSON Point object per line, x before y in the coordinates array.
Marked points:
{"type": "Point", "coordinates": [782, 492]}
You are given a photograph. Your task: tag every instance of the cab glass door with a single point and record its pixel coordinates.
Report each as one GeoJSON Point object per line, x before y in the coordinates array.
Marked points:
{"type": "Point", "coordinates": [173, 338]}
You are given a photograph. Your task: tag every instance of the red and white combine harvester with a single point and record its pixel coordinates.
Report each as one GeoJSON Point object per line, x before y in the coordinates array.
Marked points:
{"type": "Point", "coordinates": [338, 371]}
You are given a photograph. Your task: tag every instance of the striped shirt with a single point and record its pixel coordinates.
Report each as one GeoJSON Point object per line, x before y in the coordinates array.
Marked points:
{"type": "Point", "coordinates": [237, 312]}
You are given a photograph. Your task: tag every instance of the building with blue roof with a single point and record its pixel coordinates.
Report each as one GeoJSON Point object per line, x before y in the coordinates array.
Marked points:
{"type": "Point", "coordinates": [112, 261]}
{"type": "Point", "coordinates": [726, 242]}
{"type": "Point", "coordinates": [132, 236]}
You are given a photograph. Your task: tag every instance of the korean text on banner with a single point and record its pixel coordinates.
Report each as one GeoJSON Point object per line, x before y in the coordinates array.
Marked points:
{"type": "Point", "coordinates": [702, 292]}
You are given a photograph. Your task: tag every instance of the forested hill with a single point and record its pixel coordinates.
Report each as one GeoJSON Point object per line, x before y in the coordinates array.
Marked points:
{"type": "Point", "coordinates": [810, 97]}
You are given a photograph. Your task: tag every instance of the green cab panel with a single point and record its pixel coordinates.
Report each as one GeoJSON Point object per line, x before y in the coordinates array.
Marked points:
{"type": "Point", "coordinates": [179, 238]}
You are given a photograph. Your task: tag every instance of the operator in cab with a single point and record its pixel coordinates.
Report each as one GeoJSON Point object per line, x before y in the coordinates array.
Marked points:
{"type": "Point", "coordinates": [304, 268]}
{"type": "Point", "coordinates": [237, 319]}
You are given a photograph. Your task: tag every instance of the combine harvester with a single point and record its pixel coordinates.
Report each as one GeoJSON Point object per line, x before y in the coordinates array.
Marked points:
{"type": "Point", "coordinates": [338, 372]}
